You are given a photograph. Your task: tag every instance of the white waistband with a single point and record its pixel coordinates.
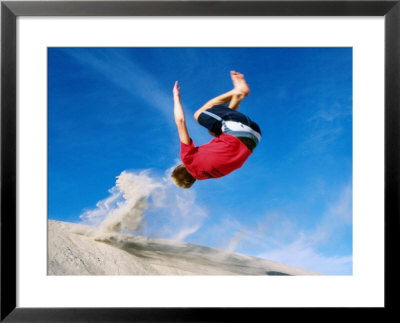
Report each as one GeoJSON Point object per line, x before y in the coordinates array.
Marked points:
{"type": "Point", "coordinates": [238, 126]}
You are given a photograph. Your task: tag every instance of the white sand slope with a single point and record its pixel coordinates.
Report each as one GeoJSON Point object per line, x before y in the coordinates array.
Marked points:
{"type": "Point", "coordinates": [75, 249]}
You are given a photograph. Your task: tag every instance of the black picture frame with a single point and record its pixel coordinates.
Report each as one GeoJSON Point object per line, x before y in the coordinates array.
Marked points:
{"type": "Point", "coordinates": [10, 10]}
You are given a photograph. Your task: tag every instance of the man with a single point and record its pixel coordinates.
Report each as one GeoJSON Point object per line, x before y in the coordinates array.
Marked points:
{"type": "Point", "coordinates": [236, 136]}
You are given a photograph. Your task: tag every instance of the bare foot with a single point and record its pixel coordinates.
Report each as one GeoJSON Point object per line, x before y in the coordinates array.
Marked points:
{"type": "Point", "coordinates": [239, 83]}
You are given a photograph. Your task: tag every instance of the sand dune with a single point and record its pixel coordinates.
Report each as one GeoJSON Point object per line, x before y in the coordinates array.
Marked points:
{"type": "Point", "coordinates": [75, 249]}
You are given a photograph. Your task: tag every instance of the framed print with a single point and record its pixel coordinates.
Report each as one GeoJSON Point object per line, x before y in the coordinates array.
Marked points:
{"type": "Point", "coordinates": [93, 226]}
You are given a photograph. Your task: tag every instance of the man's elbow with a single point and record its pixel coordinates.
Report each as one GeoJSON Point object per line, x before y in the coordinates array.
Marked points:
{"type": "Point", "coordinates": [180, 121]}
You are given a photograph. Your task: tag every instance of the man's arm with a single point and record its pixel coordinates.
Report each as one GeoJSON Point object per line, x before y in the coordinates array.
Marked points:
{"type": "Point", "coordinates": [180, 116]}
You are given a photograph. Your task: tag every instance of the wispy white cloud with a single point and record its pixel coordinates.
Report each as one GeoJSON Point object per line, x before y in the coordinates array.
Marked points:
{"type": "Point", "coordinates": [123, 72]}
{"type": "Point", "coordinates": [302, 253]}
{"type": "Point", "coordinates": [281, 239]}
{"type": "Point", "coordinates": [336, 112]}
{"type": "Point", "coordinates": [325, 127]}
{"type": "Point", "coordinates": [338, 215]}
{"type": "Point", "coordinates": [323, 136]}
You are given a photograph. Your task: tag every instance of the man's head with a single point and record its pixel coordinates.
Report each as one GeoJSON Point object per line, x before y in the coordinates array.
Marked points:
{"type": "Point", "coordinates": [181, 177]}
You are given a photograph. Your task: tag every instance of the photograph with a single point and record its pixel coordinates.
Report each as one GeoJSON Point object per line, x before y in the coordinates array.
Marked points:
{"type": "Point", "coordinates": [191, 161]}
{"type": "Point", "coordinates": [200, 160]}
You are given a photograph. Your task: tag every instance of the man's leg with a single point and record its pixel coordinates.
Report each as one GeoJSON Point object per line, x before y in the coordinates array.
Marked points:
{"type": "Point", "coordinates": [241, 87]}
{"type": "Point", "coordinates": [234, 96]}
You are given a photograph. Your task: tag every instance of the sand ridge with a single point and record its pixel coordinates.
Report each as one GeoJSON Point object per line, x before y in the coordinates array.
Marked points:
{"type": "Point", "coordinates": [75, 249]}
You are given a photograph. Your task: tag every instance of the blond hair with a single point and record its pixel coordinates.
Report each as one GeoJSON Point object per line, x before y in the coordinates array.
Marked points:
{"type": "Point", "coordinates": [181, 177]}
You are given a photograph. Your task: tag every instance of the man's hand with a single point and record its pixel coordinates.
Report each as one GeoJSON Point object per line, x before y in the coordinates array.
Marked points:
{"type": "Point", "coordinates": [175, 91]}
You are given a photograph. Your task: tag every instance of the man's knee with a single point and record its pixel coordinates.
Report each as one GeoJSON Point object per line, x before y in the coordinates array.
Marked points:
{"type": "Point", "coordinates": [196, 115]}
{"type": "Point", "coordinates": [200, 111]}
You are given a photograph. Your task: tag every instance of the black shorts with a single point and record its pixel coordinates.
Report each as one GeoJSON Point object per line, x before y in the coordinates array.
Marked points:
{"type": "Point", "coordinates": [225, 114]}
{"type": "Point", "coordinates": [214, 118]}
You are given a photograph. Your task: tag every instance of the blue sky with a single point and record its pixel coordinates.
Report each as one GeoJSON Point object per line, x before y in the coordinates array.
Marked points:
{"type": "Point", "coordinates": [110, 110]}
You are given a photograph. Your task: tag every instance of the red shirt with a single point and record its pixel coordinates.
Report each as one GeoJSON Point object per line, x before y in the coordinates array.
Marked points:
{"type": "Point", "coordinates": [218, 158]}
